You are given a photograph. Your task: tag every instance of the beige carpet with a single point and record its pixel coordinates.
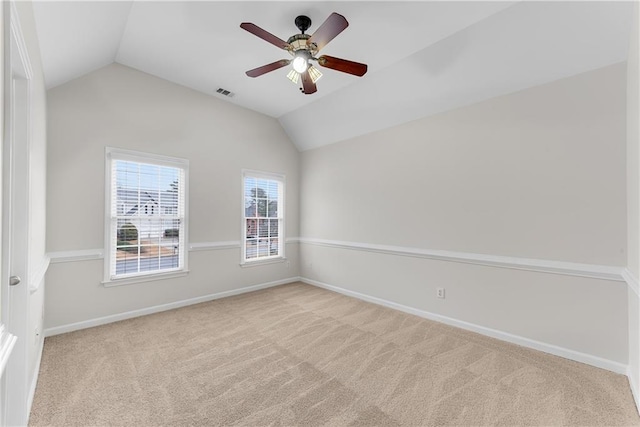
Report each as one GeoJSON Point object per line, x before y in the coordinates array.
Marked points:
{"type": "Point", "coordinates": [300, 355]}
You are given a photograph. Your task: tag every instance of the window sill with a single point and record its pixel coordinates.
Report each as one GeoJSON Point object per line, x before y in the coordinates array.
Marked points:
{"type": "Point", "coordinates": [147, 278]}
{"type": "Point", "coordinates": [263, 262]}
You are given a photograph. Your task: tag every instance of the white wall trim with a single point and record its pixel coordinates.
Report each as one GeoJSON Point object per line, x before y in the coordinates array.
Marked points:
{"type": "Point", "coordinates": [537, 265]}
{"type": "Point", "coordinates": [493, 333]}
{"type": "Point", "coordinates": [16, 30]}
{"type": "Point", "coordinates": [163, 307]}
{"type": "Point", "coordinates": [7, 342]}
{"type": "Point", "coordinates": [79, 255]}
{"type": "Point", "coordinates": [265, 261]}
{"type": "Point", "coordinates": [213, 246]}
{"type": "Point", "coordinates": [34, 381]}
{"type": "Point", "coordinates": [631, 281]}
{"type": "Point", "coordinates": [145, 278]}
{"type": "Point", "coordinates": [37, 276]}
{"type": "Point", "coordinates": [92, 254]}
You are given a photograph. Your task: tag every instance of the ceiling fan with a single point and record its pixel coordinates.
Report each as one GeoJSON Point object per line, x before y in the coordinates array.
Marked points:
{"type": "Point", "coordinates": [304, 48]}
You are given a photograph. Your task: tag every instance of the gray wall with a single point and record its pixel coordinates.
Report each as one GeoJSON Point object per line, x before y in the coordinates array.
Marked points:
{"type": "Point", "coordinates": [537, 174]}
{"type": "Point", "coordinates": [120, 107]}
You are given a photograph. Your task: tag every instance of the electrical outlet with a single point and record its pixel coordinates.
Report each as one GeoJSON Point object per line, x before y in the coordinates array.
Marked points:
{"type": "Point", "coordinates": [440, 293]}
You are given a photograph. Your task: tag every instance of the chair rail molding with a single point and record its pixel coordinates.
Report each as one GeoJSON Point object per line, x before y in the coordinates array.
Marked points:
{"type": "Point", "coordinates": [604, 272]}
{"type": "Point", "coordinates": [212, 246]}
{"type": "Point", "coordinates": [37, 275]}
{"type": "Point", "coordinates": [632, 281]}
{"type": "Point", "coordinates": [7, 342]}
{"type": "Point", "coordinates": [77, 255]}
{"type": "Point", "coordinates": [93, 254]}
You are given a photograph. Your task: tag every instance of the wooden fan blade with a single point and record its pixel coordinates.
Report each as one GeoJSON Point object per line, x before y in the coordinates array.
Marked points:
{"type": "Point", "coordinates": [265, 35]}
{"type": "Point", "coordinates": [256, 72]}
{"type": "Point", "coordinates": [350, 67]}
{"type": "Point", "coordinates": [308, 85]}
{"type": "Point", "coordinates": [334, 25]}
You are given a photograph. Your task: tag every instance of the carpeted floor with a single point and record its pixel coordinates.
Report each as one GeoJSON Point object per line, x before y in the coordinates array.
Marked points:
{"type": "Point", "coordinates": [300, 355]}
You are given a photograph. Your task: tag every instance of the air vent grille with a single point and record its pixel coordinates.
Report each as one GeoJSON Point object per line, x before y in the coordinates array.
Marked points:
{"type": "Point", "coordinates": [225, 92]}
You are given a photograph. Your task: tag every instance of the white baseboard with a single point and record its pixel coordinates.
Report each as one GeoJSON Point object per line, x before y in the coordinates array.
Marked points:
{"type": "Point", "coordinates": [501, 335]}
{"type": "Point", "coordinates": [633, 381]}
{"type": "Point", "coordinates": [158, 308]}
{"type": "Point", "coordinates": [34, 381]}
{"type": "Point", "coordinates": [589, 359]}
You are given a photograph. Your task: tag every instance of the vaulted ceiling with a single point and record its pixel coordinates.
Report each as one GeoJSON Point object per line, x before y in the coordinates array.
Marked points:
{"type": "Point", "coordinates": [424, 57]}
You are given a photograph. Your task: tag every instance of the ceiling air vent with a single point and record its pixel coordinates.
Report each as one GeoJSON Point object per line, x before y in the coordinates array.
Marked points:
{"type": "Point", "coordinates": [225, 92]}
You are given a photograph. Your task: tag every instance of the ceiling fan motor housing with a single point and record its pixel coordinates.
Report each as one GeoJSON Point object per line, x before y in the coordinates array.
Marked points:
{"type": "Point", "coordinates": [299, 42]}
{"type": "Point", "coordinates": [303, 23]}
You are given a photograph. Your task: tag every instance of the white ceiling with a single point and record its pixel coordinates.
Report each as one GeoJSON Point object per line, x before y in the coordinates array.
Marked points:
{"type": "Point", "coordinates": [424, 57]}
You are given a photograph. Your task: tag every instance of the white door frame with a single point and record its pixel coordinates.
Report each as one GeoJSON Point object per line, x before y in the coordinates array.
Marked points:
{"type": "Point", "coordinates": [15, 222]}
{"type": "Point", "coordinates": [7, 340]}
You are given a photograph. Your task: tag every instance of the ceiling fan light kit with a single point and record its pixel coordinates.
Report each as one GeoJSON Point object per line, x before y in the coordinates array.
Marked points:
{"type": "Point", "coordinates": [301, 61]}
{"type": "Point", "coordinates": [304, 48]}
{"type": "Point", "coordinates": [314, 73]}
{"type": "Point", "coordinates": [294, 76]}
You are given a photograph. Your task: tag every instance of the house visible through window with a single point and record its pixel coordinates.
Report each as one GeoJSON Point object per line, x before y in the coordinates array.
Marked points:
{"type": "Point", "coordinates": [263, 216]}
{"type": "Point", "coordinates": [146, 230]}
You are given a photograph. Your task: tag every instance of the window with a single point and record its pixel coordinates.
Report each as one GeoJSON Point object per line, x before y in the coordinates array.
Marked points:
{"type": "Point", "coordinates": [146, 215]}
{"type": "Point", "coordinates": [263, 223]}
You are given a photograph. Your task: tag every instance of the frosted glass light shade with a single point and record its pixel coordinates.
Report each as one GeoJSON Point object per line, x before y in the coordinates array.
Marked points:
{"type": "Point", "coordinates": [300, 64]}
{"type": "Point", "coordinates": [314, 73]}
{"type": "Point", "coordinates": [294, 76]}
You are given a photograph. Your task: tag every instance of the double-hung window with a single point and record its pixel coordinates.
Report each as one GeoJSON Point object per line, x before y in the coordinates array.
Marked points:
{"type": "Point", "coordinates": [263, 216]}
{"type": "Point", "coordinates": [146, 203]}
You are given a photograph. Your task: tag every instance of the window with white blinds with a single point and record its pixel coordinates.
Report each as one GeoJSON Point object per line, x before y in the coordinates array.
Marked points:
{"type": "Point", "coordinates": [146, 215]}
{"type": "Point", "coordinates": [263, 223]}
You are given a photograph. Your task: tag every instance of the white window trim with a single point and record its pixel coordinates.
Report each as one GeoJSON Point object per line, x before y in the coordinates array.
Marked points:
{"type": "Point", "coordinates": [281, 257]}
{"type": "Point", "coordinates": [149, 277]}
{"type": "Point", "coordinates": [112, 153]}
{"type": "Point", "coordinates": [263, 261]}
